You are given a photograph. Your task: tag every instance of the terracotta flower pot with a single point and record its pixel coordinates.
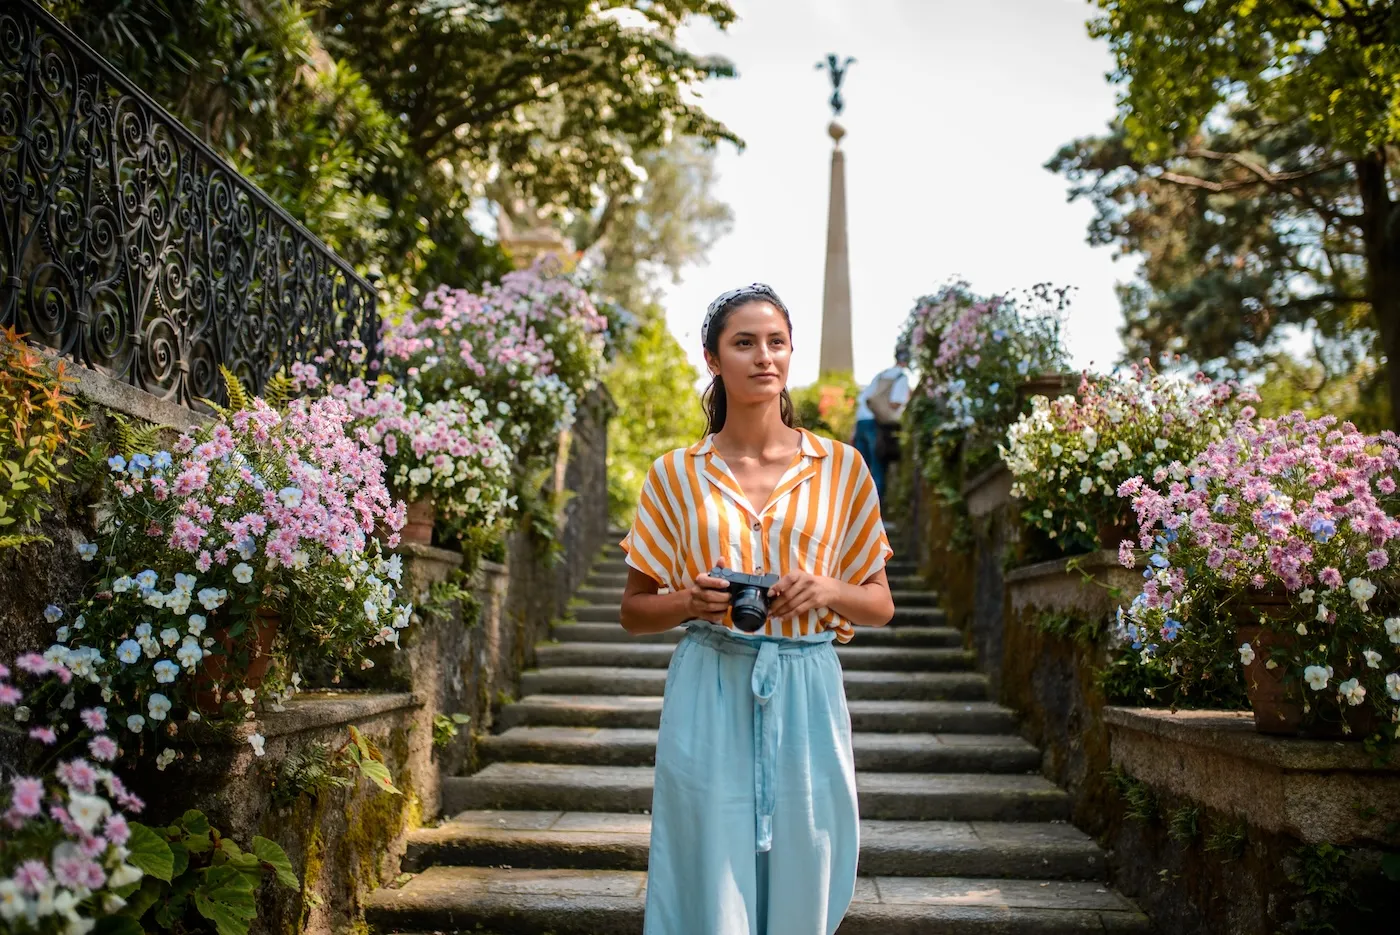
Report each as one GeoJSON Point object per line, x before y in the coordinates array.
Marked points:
{"type": "Point", "coordinates": [215, 669]}
{"type": "Point", "coordinates": [1277, 705]}
{"type": "Point", "coordinates": [419, 526]}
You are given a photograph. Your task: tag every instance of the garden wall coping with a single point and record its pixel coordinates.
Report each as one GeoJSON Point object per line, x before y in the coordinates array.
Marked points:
{"type": "Point", "coordinates": [1318, 791]}
{"type": "Point", "coordinates": [1091, 584]}
{"type": "Point", "coordinates": [129, 400]}
{"type": "Point", "coordinates": [990, 490]}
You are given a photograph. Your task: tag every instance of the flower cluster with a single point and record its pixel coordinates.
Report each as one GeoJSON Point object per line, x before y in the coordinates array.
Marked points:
{"type": "Point", "coordinates": [972, 353]}
{"type": "Point", "coordinates": [532, 344]}
{"type": "Point", "coordinates": [1297, 512]}
{"type": "Point", "coordinates": [1069, 455]}
{"type": "Point", "coordinates": [63, 837]}
{"type": "Point", "coordinates": [249, 542]}
{"type": "Point", "coordinates": [449, 450]}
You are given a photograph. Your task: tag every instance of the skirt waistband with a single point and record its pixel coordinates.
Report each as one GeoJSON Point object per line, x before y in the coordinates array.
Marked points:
{"type": "Point", "coordinates": [719, 638]}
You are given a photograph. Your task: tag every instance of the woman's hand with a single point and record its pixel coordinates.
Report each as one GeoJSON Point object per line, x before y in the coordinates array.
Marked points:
{"type": "Point", "coordinates": [708, 598]}
{"type": "Point", "coordinates": [800, 591]}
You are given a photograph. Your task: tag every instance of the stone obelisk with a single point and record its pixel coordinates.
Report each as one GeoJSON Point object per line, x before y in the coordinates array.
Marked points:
{"type": "Point", "coordinates": [836, 355]}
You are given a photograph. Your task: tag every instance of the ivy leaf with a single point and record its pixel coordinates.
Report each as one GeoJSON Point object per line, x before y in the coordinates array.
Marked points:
{"type": "Point", "coordinates": [149, 853]}
{"type": "Point", "coordinates": [271, 854]}
{"type": "Point", "coordinates": [226, 899]}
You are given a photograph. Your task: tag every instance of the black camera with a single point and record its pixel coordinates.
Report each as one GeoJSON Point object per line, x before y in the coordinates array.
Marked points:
{"type": "Point", "coordinates": [748, 596]}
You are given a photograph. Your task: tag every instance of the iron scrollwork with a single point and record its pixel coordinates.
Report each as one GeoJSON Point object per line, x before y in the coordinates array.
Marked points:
{"type": "Point", "coordinates": [130, 246]}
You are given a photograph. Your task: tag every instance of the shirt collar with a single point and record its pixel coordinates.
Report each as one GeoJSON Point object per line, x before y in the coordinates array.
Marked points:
{"type": "Point", "coordinates": [813, 446]}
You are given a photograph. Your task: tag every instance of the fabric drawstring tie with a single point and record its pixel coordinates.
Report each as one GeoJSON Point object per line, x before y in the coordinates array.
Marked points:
{"type": "Point", "coordinates": [766, 683]}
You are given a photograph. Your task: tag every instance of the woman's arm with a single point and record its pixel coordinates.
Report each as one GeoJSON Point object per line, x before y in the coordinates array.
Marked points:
{"type": "Point", "coordinates": [867, 604]}
{"type": "Point", "coordinates": [646, 611]}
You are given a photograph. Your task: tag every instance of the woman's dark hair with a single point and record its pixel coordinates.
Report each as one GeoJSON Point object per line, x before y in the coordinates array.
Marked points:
{"type": "Point", "coordinates": [714, 400]}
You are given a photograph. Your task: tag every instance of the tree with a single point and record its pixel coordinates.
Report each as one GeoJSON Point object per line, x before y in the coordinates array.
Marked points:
{"type": "Point", "coordinates": [1253, 167]}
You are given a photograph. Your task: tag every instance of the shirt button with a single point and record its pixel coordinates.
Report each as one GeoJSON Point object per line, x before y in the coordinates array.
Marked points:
{"type": "Point", "coordinates": [757, 526]}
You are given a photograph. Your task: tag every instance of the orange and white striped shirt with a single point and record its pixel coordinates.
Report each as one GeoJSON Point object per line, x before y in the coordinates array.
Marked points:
{"type": "Point", "coordinates": [822, 518]}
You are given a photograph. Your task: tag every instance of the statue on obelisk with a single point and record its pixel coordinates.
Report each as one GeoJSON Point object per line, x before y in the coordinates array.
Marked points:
{"type": "Point", "coordinates": [836, 354]}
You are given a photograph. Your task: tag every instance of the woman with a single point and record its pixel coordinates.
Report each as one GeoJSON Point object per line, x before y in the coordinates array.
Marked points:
{"type": "Point", "coordinates": [755, 828]}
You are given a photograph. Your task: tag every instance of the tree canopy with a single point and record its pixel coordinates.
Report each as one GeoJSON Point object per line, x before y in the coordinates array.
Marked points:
{"type": "Point", "coordinates": [1252, 167]}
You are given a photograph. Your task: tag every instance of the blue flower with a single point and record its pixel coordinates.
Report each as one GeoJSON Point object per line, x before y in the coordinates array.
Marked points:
{"type": "Point", "coordinates": [1170, 629]}
{"type": "Point", "coordinates": [147, 580]}
{"type": "Point", "coordinates": [1323, 529]}
{"type": "Point", "coordinates": [1159, 560]}
{"type": "Point", "coordinates": [994, 387]}
{"type": "Point", "coordinates": [162, 461]}
{"type": "Point", "coordinates": [117, 463]}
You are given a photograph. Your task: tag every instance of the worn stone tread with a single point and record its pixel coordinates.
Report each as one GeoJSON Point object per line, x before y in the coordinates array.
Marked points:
{"type": "Point", "coordinates": [586, 710]}
{"type": "Point", "coordinates": [619, 841]}
{"type": "Point", "coordinates": [611, 902]}
{"type": "Point", "coordinates": [894, 796]}
{"type": "Point", "coordinates": [630, 746]}
{"type": "Point", "coordinates": [658, 656]}
{"type": "Point", "coordinates": [860, 685]}
{"type": "Point", "coordinates": [907, 635]}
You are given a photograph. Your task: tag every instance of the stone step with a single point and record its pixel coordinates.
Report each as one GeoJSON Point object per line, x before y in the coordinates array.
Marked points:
{"type": "Point", "coordinates": [909, 635]}
{"type": "Point", "coordinates": [892, 796]}
{"type": "Point", "coordinates": [658, 656]}
{"type": "Point", "coordinates": [917, 616]}
{"type": "Point", "coordinates": [619, 841]}
{"type": "Point", "coordinates": [612, 597]}
{"type": "Point", "coordinates": [898, 753]}
{"type": "Point", "coordinates": [860, 685]}
{"type": "Point", "coordinates": [611, 902]}
{"type": "Point", "coordinates": [927, 717]}
{"type": "Point", "coordinates": [618, 579]}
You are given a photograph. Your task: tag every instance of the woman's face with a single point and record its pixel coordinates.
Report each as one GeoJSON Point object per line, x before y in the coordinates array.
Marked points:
{"type": "Point", "coordinates": [755, 349]}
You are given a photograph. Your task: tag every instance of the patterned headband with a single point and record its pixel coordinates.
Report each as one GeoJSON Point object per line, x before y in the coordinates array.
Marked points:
{"type": "Point", "coordinates": [756, 290]}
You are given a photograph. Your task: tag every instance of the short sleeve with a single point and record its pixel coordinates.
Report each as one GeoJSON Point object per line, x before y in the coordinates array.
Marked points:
{"type": "Point", "coordinates": [866, 548]}
{"type": "Point", "coordinates": [650, 545]}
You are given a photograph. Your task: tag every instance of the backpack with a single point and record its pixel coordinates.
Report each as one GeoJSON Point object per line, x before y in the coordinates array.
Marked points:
{"type": "Point", "coordinates": [879, 403]}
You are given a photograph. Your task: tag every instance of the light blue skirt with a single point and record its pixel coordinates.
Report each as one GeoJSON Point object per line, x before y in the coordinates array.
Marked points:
{"type": "Point", "coordinates": [755, 828]}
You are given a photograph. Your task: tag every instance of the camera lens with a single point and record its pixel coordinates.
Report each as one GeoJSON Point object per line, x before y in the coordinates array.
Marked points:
{"type": "Point", "coordinates": [750, 609]}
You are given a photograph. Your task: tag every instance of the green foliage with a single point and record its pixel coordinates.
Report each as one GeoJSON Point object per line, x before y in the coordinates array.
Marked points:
{"type": "Point", "coordinates": [41, 428]}
{"type": "Point", "coordinates": [1184, 824]}
{"type": "Point", "coordinates": [376, 123]}
{"type": "Point", "coordinates": [1228, 838]}
{"type": "Point", "coordinates": [445, 727]}
{"type": "Point", "coordinates": [453, 593]}
{"type": "Point", "coordinates": [312, 770]}
{"type": "Point", "coordinates": [363, 756]}
{"type": "Point", "coordinates": [1078, 629]}
{"type": "Point", "coordinates": [129, 438]}
{"type": "Point", "coordinates": [1251, 169]}
{"type": "Point", "coordinates": [658, 408]}
{"type": "Point", "coordinates": [1140, 804]}
{"type": "Point", "coordinates": [828, 406]}
{"type": "Point", "coordinates": [196, 879]}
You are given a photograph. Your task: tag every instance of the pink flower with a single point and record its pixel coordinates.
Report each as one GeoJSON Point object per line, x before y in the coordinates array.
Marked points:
{"type": "Point", "coordinates": [1125, 553]}
{"type": "Point", "coordinates": [32, 876]}
{"type": "Point", "coordinates": [26, 796]}
{"type": "Point", "coordinates": [9, 695]}
{"type": "Point", "coordinates": [103, 748]}
{"type": "Point", "coordinates": [79, 775]}
{"type": "Point", "coordinates": [44, 735]}
{"type": "Point", "coordinates": [1377, 558]}
{"type": "Point", "coordinates": [1330, 577]}
{"type": "Point", "coordinates": [116, 829]}
{"type": "Point", "coordinates": [95, 718]}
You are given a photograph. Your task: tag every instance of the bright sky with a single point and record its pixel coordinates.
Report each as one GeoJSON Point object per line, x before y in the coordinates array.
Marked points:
{"type": "Point", "coordinates": [951, 110]}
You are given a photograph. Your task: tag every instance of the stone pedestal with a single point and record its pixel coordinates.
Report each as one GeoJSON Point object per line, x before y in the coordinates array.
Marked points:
{"type": "Point", "coordinates": [836, 354]}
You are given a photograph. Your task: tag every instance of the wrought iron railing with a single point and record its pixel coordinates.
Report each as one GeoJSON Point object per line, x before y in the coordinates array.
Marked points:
{"type": "Point", "coordinates": [129, 245]}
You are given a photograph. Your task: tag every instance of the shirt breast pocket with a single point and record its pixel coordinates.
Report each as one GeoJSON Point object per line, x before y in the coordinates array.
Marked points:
{"type": "Point", "coordinates": [807, 553]}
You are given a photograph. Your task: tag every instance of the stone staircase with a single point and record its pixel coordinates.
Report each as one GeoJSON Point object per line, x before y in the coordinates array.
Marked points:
{"type": "Point", "coordinates": [959, 832]}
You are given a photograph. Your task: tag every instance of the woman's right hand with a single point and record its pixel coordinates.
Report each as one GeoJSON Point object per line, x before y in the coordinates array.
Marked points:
{"type": "Point", "coordinates": [708, 597]}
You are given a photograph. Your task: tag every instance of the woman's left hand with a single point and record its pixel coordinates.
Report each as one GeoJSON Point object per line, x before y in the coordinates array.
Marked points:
{"type": "Point", "coordinates": [800, 591]}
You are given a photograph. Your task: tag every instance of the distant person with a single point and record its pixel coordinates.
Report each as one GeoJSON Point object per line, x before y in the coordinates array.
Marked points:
{"type": "Point", "coordinates": [878, 411]}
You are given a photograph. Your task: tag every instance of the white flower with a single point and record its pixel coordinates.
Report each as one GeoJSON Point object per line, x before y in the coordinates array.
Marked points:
{"type": "Point", "coordinates": [53, 613]}
{"type": "Point", "coordinates": [1317, 676]}
{"type": "Point", "coordinates": [129, 651]}
{"type": "Point", "coordinates": [170, 636]}
{"type": "Point", "coordinates": [194, 717]}
{"type": "Point", "coordinates": [1322, 613]}
{"type": "Point", "coordinates": [196, 624]}
{"type": "Point", "coordinates": [420, 476]}
{"type": "Point", "coordinates": [123, 875]}
{"type": "Point", "coordinates": [1392, 685]}
{"type": "Point", "coordinates": [1246, 654]}
{"type": "Point", "coordinates": [290, 497]}
{"type": "Point", "coordinates": [1373, 658]}
{"type": "Point", "coordinates": [1302, 629]}
{"type": "Point", "coordinates": [211, 598]}
{"type": "Point", "coordinates": [256, 741]}
{"type": "Point", "coordinates": [1086, 484]}
{"type": "Point", "coordinates": [80, 622]}
{"type": "Point", "coordinates": [143, 630]}
{"type": "Point", "coordinates": [1352, 691]}
{"type": "Point", "coordinates": [12, 901]}
{"type": "Point", "coordinates": [242, 573]}
{"type": "Point", "coordinates": [184, 582]}
{"type": "Point", "coordinates": [166, 671]}
{"type": "Point", "coordinates": [1392, 629]}
{"type": "Point", "coordinates": [1361, 591]}
{"type": "Point", "coordinates": [248, 695]}
{"type": "Point", "coordinates": [1307, 595]}
{"type": "Point", "coordinates": [167, 756]}
{"type": "Point", "coordinates": [121, 585]}
{"type": "Point", "coordinates": [87, 811]}
{"type": "Point", "coordinates": [300, 560]}
{"type": "Point", "coordinates": [112, 903]}
{"type": "Point", "coordinates": [157, 706]}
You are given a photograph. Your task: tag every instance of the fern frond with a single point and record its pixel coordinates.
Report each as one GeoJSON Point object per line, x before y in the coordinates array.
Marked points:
{"type": "Point", "coordinates": [237, 395]}
{"type": "Point", "coordinates": [129, 439]}
{"type": "Point", "coordinates": [279, 391]}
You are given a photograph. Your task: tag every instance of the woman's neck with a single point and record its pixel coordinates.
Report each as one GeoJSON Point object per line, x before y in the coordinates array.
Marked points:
{"type": "Point", "coordinates": [755, 430]}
